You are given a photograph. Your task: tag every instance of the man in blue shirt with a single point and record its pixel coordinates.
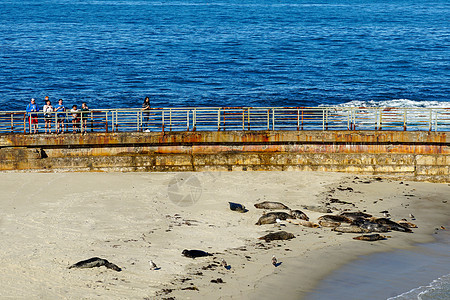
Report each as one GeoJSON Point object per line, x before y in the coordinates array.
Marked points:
{"type": "Point", "coordinates": [32, 108]}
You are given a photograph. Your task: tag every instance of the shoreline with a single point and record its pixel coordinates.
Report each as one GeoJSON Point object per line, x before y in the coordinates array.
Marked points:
{"type": "Point", "coordinates": [53, 220]}
{"type": "Point", "coordinates": [389, 274]}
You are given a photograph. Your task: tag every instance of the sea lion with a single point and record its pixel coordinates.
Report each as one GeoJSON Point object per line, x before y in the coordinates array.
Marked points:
{"type": "Point", "coordinates": [390, 224]}
{"type": "Point", "coordinates": [195, 253]}
{"type": "Point", "coordinates": [299, 214]}
{"type": "Point", "coordinates": [95, 262]}
{"type": "Point", "coordinates": [238, 207]}
{"type": "Point", "coordinates": [303, 223]}
{"type": "Point", "coordinates": [350, 229]}
{"type": "Point", "coordinates": [373, 227]}
{"type": "Point", "coordinates": [355, 215]}
{"type": "Point", "coordinates": [271, 218]}
{"type": "Point", "coordinates": [271, 205]}
{"type": "Point", "coordinates": [279, 235]}
{"type": "Point", "coordinates": [324, 223]}
{"type": "Point", "coordinates": [333, 218]}
{"type": "Point", "coordinates": [405, 223]}
{"type": "Point", "coordinates": [319, 209]}
{"type": "Point", "coordinates": [370, 237]}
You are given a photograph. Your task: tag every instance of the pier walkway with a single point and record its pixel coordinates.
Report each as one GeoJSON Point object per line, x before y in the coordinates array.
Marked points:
{"type": "Point", "coordinates": [240, 118]}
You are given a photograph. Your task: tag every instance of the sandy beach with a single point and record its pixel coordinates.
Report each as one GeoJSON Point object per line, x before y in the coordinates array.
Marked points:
{"type": "Point", "coordinates": [50, 221]}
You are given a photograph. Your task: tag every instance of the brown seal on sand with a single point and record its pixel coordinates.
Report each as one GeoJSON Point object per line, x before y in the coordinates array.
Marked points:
{"type": "Point", "coordinates": [303, 222]}
{"type": "Point", "coordinates": [390, 224]}
{"type": "Point", "coordinates": [370, 237]}
{"type": "Point", "coordinates": [195, 253]}
{"type": "Point", "coordinates": [279, 235]}
{"type": "Point", "coordinates": [325, 223]}
{"type": "Point", "coordinates": [333, 218]}
{"type": "Point", "coordinates": [319, 209]}
{"type": "Point", "coordinates": [238, 207]}
{"type": "Point", "coordinates": [271, 218]}
{"type": "Point", "coordinates": [271, 205]}
{"type": "Point", "coordinates": [355, 215]}
{"type": "Point", "coordinates": [299, 214]}
{"type": "Point", "coordinates": [95, 262]}
{"type": "Point", "coordinates": [350, 229]}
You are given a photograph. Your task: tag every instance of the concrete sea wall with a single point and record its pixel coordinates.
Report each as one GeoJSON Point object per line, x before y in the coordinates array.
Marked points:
{"type": "Point", "coordinates": [409, 155]}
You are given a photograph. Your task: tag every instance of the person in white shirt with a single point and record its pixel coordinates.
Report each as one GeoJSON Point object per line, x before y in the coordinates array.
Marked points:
{"type": "Point", "coordinates": [48, 115]}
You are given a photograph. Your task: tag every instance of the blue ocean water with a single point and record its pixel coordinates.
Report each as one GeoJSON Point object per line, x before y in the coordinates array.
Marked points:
{"type": "Point", "coordinates": [224, 52]}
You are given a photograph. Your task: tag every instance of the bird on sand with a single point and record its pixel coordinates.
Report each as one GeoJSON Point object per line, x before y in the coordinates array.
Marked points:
{"type": "Point", "coordinates": [223, 263]}
{"type": "Point", "coordinates": [412, 217]}
{"type": "Point", "coordinates": [274, 261]}
{"type": "Point", "coordinates": [152, 265]}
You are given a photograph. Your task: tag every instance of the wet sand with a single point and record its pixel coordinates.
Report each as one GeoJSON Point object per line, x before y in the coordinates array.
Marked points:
{"type": "Point", "coordinates": [50, 221]}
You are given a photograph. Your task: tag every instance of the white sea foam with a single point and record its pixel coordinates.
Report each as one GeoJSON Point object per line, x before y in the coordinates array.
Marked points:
{"type": "Point", "coordinates": [395, 103]}
{"type": "Point", "coordinates": [437, 289]}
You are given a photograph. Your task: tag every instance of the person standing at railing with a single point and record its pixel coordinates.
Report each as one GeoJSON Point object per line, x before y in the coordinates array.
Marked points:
{"type": "Point", "coordinates": [32, 109]}
{"type": "Point", "coordinates": [84, 117]}
{"type": "Point", "coordinates": [60, 117]}
{"type": "Point", "coordinates": [75, 118]}
{"type": "Point", "coordinates": [48, 115]}
{"type": "Point", "coordinates": [146, 113]}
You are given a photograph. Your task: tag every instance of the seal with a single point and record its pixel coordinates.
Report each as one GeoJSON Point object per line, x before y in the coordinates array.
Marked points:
{"type": "Point", "coordinates": [319, 209]}
{"type": "Point", "coordinates": [373, 227]}
{"type": "Point", "coordinates": [333, 218]}
{"type": "Point", "coordinates": [279, 235]}
{"type": "Point", "coordinates": [370, 237]}
{"type": "Point", "coordinates": [350, 229]}
{"type": "Point", "coordinates": [95, 262]}
{"type": "Point", "coordinates": [299, 214]}
{"type": "Point", "coordinates": [271, 218]}
{"type": "Point", "coordinates": [237, 207]}
{"type": "Point", "coordinates": [355, 215]}
{"type": "Point", "coordinates": [325, 223]}
{"type": "Point", "coordinates": [271, 205]}
{"type": "Point", "coordinates": [390, 224]}
{"type": "Point", "coordinates": [195, 253]}
{"type": "Point", "coordinates": [405, 223]}
{"type": "Point", "coordinates": [303, 223]}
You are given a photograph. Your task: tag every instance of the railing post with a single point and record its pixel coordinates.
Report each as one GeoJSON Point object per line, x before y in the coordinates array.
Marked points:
{"type": "Point", "coordinates": [248, 119]}
{"type": "Point", "coordinates": [194, 119]}
{"type": "Point", "coordinates": [187, 119]}
{"type": "Point", "coordinates": [170, 119]}
{"type": "Point", "coordinates": [298, 119]}
{"type": "Point", "coordinates": [323, 119]}
{"type": "Point", "coordinates": [273, 118]}
{"type": "Point", "coordinates": [218, 120]}
{"type": "Point", "coordinates": [162, 121]}
{"type": "Point", "coordinates": [268, 118]}
{"type": "Point", "coordinates": [431, 120]}
{"type": "Point", "coordinates": [404, 119]}
{"type": "Point", "coordinates": [243, 119]}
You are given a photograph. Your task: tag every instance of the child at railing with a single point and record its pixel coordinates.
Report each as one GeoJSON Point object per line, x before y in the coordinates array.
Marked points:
{"type": "Point", "coordinates": [75, 118]}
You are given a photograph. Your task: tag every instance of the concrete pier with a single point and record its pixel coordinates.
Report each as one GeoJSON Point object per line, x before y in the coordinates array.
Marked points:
{"type": "Point", "coordinates": [417, 155]}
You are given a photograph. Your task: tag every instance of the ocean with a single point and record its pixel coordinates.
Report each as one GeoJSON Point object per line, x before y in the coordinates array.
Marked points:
{"type": "Point", "coordinates": [112, 54]}
{"type": "Point", "coordinates": [422, 273]}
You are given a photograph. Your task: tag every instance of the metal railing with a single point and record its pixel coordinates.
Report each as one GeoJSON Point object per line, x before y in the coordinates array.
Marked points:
{"type": "Point", "coordinates": [235, 118]}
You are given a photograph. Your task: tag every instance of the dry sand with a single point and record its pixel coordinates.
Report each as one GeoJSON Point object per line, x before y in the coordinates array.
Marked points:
{"type": "Point", "coordinates": [50, 221]}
